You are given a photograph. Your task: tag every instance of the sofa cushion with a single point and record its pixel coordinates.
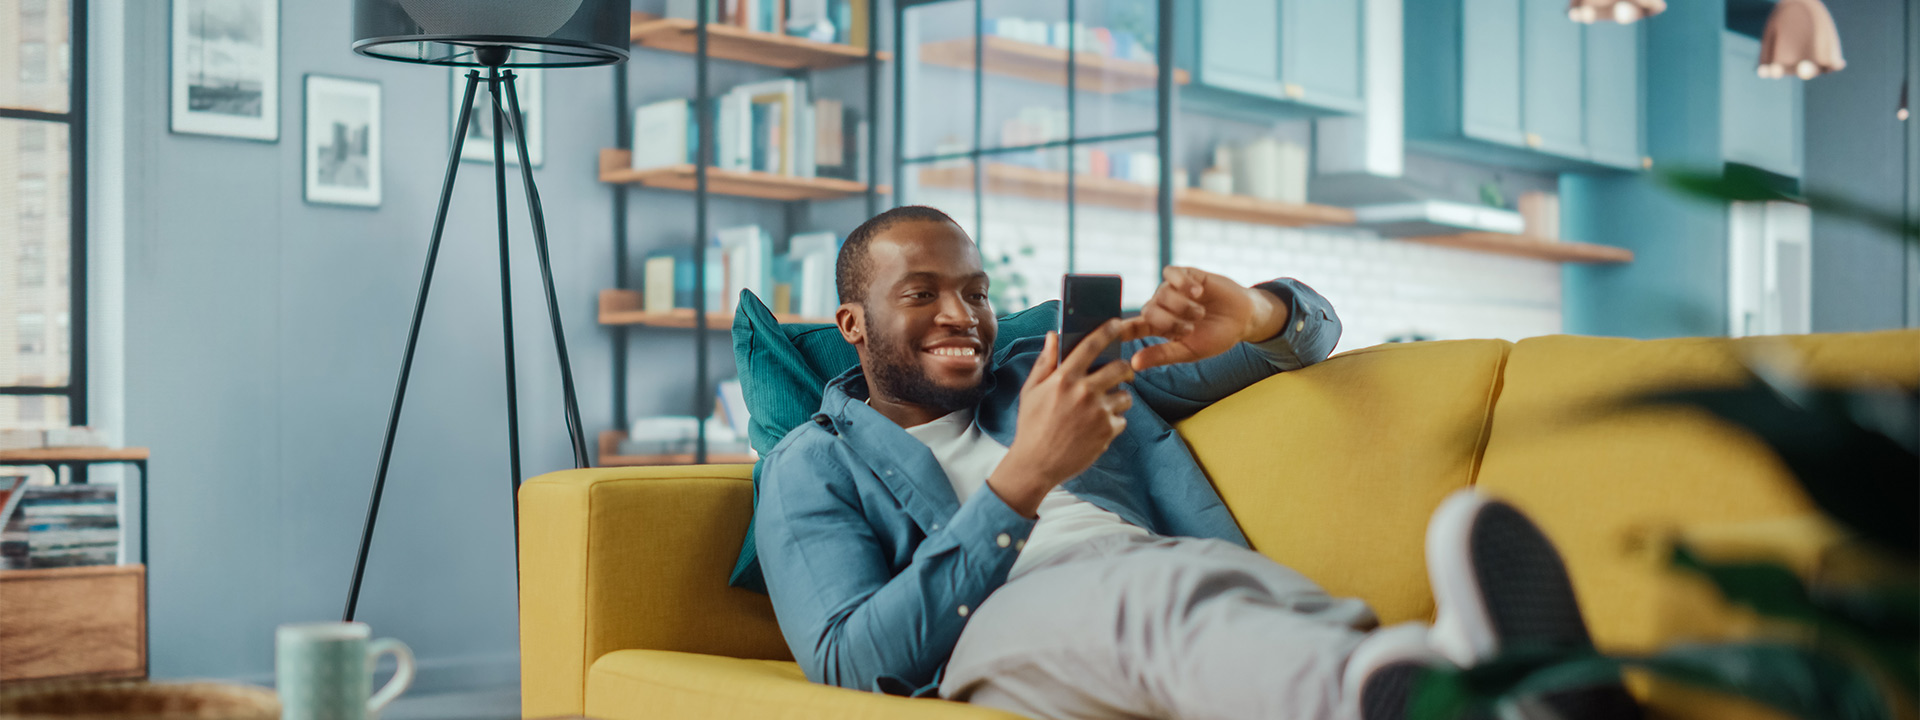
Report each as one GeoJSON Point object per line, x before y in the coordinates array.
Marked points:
{"type": "Point", "coordinates": [1333, 470]}
{"type": "Point", "coordinates": [785, 367]}
{"type": "Point", "coordinates": [1601, 484]}
{"type": "Point", "coordinates": [646, 684]}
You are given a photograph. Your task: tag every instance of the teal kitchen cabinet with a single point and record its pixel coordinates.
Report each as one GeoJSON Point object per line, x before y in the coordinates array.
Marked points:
{"type": "Point", "coordinates": [1614, 76]}
{"type": "Point", "coordinates": [1488, 99]}
{"type": "Point", "coordinates": [1552, 82]}
{"type": "Point", "coordinates": [1272, 57]}
{"type": "Point", "coordinates": [1762, 119]}
{"type": "Point", "coordinates": [1515, 83]}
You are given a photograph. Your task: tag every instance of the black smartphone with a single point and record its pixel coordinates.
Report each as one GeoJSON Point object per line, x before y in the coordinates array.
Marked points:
{"type": "Point", "coordinates": [1087, 301]}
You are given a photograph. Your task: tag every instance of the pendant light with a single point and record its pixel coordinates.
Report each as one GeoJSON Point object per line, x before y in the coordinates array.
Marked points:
{"type": "Point", "coordinates": [1800, 38]}
{"type": "Point", "coordinates": [1620, 11]}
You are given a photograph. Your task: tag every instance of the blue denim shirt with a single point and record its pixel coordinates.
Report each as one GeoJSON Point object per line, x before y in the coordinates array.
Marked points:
{"type": "Point", "coordinates": [873, 563]}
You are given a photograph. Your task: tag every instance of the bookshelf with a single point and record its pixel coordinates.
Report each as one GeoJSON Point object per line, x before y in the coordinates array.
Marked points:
{"type": "Point", "coordinates": [788, 57]}
{"type": "Point", "coordinates": [610, 455]}
{"type": "Point", "coordinates": [728, 42]}
{"type": "Point", "coordinates": [1019, 180]}
{"type": "Point", "coordinates": [622, 307]}
{"type": "Point", "coordinates": [1093, 72]}
{"type": "Point", "coordinates": [615, 167]}
{"type": "Point", "coordinates": [1528, 247]}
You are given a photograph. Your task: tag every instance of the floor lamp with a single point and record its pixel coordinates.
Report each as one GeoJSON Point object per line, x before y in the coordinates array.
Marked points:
{"type": "Point", "coordinates": [496, 35]}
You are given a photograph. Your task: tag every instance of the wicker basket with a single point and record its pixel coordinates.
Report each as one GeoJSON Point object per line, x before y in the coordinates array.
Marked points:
{"type": "Point", "coordinates": [127, 700]}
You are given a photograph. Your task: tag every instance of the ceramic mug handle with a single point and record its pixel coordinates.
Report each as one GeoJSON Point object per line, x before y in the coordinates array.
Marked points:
{"type": "Point", "coordinates": [402, 675]}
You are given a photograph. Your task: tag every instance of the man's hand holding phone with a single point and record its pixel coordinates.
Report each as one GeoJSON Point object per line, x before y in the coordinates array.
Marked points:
{"type": "Point", "coordinates": [1070, 412]}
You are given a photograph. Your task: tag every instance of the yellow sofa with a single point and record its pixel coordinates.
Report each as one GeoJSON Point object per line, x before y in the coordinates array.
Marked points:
{"type": "Point", "coordinates": [625, 611]}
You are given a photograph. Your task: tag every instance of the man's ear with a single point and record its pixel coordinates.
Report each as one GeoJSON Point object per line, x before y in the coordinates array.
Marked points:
{"type": "Point", "coordinates": [852, 320]}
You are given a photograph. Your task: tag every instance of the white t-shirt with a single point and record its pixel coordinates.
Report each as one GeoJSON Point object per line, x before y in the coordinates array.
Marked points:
{"type": "Point", "coordinates": [969, 456]}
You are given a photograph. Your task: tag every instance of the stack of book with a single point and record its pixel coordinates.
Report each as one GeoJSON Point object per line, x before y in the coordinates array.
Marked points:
{"type": "Point", "coordinates": [61, 526]}
{"type": "Point", "coordinates": [833, 21]}
{"type": "Point", "coordinates": [768, 127]}
{"type": "Point", "coordinates": [742, 258]}
{"type": "Point", "coordinates": [677, 434]}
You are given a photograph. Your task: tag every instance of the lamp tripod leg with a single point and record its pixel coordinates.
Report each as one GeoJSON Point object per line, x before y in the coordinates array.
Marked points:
{"type": "Point", "coordinates": [494, 82]}
{"type": "Point", "coordinates": [413, 340]}
{"type": "Point", "coordinates": [576, 432]}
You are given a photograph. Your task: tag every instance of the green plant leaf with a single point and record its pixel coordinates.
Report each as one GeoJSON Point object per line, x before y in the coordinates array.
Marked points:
{"type": "Point", "coordinates": [1738, 183]}
{"type": "Point", "coordinates": [1794, 680]}
{"type": "Point", "coordinates": [1878, 622]}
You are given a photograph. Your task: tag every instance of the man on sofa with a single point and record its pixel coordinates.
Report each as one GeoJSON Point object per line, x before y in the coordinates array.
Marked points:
{"type": "Point", "coordinates": [1027, 532]}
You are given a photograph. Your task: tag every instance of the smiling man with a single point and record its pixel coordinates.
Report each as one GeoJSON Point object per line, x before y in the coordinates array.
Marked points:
{"type": "Point", "coordinates": [1027, 532]}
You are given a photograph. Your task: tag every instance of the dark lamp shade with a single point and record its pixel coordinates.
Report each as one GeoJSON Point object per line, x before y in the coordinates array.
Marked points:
{"type": "Point", "coordinates": [539, 33]}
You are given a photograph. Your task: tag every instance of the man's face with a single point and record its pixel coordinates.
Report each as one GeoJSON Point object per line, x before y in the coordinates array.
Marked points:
{"type": "Point", "coordinates": [927, 328]}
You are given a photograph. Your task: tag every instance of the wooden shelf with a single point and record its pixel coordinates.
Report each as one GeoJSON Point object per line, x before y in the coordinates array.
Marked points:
{"type": "Point", "coordinates": [616, 167]}
{"type": "Point", "coordinates": [1051, 185]}
{"type": "Point", "coordinates": [729, 42]}
{"type": "Point", "coordinates": [1047, 64]}
{"type": "Point", "coordinates": [1528, 247]}
{"type": "Point", "coordinates": [622, 307]}
{"type": "Point", "coordinates": [610, 455]}
{"type": "Point", "coordinates": [62, 454]}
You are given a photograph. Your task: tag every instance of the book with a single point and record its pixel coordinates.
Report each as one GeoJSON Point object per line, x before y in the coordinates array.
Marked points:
{"type": "Point", "coordinates": [733, 405]}
{"type": "Point", "coordinates": [664, 134]}
{"type": "Point", "coordinates": [659, 283]}
{"type": "Point", "coordinates": [745, 259]}
{"type": "Point", "coordinates": [810, 264]}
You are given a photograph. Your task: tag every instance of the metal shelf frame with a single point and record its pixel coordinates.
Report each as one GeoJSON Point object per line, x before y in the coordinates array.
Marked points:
{"type": "Point", "coordinates": [1166, 100]}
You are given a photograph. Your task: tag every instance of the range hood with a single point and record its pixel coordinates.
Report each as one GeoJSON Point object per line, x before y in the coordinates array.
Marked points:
{"type": "Point", "coordinates": [1360, 161]}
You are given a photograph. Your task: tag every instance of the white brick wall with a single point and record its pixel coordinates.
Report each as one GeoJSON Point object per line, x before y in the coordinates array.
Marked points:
{"type": "Point", "coordinates": [1382, 288]}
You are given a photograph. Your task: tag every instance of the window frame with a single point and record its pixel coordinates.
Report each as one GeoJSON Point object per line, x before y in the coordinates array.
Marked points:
{"type": "Point", "coordinates": [75, 118]}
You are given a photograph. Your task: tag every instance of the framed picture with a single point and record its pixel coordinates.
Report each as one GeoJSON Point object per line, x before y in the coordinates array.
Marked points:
{"type": "Point", "coordinates": [226, 68]}
{"type": "Point", "coordinates": [479, 146]}
{"type": "Point", "coordinates": [343, 141]}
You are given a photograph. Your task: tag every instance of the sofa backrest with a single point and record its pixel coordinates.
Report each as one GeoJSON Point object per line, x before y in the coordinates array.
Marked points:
{"type": "Point", "coordinates": [1332, 470]}
{"type": "Point", "coordinates": [1603, 483]}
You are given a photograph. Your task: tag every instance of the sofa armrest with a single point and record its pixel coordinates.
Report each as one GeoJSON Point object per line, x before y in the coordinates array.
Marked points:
{"type": "Point", "coordinates": [632, 558]}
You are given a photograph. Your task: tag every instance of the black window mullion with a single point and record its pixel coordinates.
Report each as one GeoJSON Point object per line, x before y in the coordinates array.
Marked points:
{"type": "Point", "coordinates": [77, 214]}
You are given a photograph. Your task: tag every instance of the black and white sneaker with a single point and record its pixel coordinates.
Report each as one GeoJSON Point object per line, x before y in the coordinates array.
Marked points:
{"type": "Point", "coordinates": [1499, 583]}
{"type": "Point", "coordinates": [1383, 671]}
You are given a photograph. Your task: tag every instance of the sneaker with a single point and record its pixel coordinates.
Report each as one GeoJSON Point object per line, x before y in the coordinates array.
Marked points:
{"type": "Point", "coordinates": [1382, 672]}
{"type": "Point", "coordinates": [1498, 582]}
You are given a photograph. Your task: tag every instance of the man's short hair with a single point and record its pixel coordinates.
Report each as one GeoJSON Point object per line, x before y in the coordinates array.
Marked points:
{"type": "Point", "coordinates": [854, 269]}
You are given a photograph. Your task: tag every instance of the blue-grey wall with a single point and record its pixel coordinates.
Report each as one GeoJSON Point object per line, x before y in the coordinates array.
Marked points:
{"type": "Point", "coordinates": [1858, 149]}
{"type": "Point", "coordinates": [263, 335]}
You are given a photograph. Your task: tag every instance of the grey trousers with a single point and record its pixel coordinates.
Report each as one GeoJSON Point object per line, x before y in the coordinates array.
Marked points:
{"type": "Point", "coordinates": [1152, 627]}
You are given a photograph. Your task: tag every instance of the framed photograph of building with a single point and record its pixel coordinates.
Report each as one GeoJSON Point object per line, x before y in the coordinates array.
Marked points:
{"type": "Point", "coordinates": [479, 145]}
{"type": "Point", "coordinates": [226, 68]}
{"type": "Point", "coordinates": [342, 141]}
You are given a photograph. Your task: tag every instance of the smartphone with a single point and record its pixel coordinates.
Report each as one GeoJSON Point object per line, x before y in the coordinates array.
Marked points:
{"type": "Point", "coordinates": [1087, 301]}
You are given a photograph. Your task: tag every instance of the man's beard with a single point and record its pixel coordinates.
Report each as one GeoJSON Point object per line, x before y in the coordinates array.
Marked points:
{"type": "Point", "coordinates": [896, 368]}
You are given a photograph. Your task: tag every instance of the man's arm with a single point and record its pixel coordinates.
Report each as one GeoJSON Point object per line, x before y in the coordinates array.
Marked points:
{"type": "Point", "coordinates": [849, 619]}
{"type": "Point", "coordinates": [1307, 326]}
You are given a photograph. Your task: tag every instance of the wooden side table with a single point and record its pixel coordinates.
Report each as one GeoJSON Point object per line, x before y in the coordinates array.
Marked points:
{"type": "Point", "coordinates": [100, 582]}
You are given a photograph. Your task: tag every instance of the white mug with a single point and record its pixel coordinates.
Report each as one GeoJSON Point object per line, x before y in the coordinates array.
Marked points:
{"type": "Point", "coordinates": [325, 671]}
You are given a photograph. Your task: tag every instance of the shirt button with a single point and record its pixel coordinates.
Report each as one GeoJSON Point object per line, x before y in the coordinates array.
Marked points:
{"type": "Point", "coordinates": [936, 526]}
{"type": "Point", "coordinates": [1299, 325]}
{"type": "Point", "coordinates": [1002, 540]}
{"type": "Point", "coordinates": [1019, 544]}
{"type": "Point", "coordinates": [963, 611]}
